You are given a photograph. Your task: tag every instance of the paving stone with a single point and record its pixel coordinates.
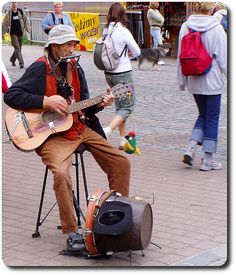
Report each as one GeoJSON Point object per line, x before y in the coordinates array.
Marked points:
{"type": "Point", "coordinates": [189, 206]}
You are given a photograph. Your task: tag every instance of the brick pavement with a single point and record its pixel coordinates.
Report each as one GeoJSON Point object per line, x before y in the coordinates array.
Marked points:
{"type": "Point", "coordinates": [190, 206]}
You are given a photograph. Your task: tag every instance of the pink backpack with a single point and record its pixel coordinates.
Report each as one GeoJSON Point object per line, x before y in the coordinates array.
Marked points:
{"type": "Point", "coordinates": [194, 58]}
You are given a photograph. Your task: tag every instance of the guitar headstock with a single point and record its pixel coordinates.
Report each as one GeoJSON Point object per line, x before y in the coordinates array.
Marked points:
{"type": "Point", "coordinates": [122, 90]}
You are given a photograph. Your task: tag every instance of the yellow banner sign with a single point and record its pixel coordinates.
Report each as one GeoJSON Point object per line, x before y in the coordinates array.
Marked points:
{"type": "Point", "coordinates": [87, 28]}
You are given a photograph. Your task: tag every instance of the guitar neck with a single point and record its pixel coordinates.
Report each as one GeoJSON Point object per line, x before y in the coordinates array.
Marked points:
{"type": "Point", "coordinates": [77, 106]}
{"type": "Point", "coordinates": [116, 91]}
{"type": "Point", "coordinates": [73, 108]}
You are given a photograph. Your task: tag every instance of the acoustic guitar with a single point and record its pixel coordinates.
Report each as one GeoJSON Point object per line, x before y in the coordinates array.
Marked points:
{"type": "Point", "coordinates": [28, 129]}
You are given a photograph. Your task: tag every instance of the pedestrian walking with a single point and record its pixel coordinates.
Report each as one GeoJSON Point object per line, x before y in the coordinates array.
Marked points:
{"type": "Point", "coordinates": [55, 18]}
{"type": "Point", "coordinates": [206, 88]}
{"type": "Point", "coordinates": [127, 48]}
{"type": "Point", "coordinates": [156, 21]}
{"type": "Point", "coordinates": [15, 22]}
{"type": "Point", "coordinates": [53, 83]}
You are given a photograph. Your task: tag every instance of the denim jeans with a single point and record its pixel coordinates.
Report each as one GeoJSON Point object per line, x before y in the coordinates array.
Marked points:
{"type": "Point", "coordinates": [205, 130]}
{"type": "Point", "coordinates": [157, 39]}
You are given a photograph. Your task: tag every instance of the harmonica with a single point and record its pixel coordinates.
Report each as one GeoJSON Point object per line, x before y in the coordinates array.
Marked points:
{"type": "Point", "coordinates": [69, 57]}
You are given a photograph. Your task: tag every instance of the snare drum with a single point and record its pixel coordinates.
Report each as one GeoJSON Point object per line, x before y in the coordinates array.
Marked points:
{"type": "Point", "coordinates": [115, 223]}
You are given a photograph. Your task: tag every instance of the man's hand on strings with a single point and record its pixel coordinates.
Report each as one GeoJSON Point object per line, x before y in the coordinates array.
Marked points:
{"type": "Point", "coordinates": [56, 103]}
{"type": "Point", "coordinates": [108, 99]}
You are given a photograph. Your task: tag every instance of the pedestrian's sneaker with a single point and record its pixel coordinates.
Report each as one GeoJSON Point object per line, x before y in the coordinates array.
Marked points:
{"type": "Point", "coordinates": [207, 166]}
{"type": "Point", "coordinates": [161, 62]}
{"type": "Point", "coordinates": [189, 156]}
{"type": "Point", "coordinates": [123, 140]}
{"type": "Point", "coordinates": [107, 131]}
{"type": "Point", "coordinates": [75, 242]}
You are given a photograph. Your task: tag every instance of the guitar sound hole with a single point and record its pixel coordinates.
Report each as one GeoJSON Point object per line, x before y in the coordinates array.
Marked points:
{"type": "Point", "coordinates": [50, 116]}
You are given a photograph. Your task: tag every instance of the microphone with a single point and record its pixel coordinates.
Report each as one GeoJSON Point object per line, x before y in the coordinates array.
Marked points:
{"type": "Point", "coordinates": [69, 57]}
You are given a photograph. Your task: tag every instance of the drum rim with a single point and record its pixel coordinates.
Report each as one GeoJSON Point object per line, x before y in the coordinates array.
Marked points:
{"type": "Point", "coordinates": [95, 202]}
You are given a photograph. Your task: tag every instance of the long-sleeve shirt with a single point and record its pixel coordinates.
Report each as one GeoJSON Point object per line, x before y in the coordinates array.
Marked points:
{"type": "Point", "coordinates": [155, 19]}
{"type": "Point", "coordinates": [122, 37]}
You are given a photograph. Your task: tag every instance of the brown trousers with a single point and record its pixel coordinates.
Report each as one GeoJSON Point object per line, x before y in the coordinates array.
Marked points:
{"type": "Point", "coordinates": [57, 153]}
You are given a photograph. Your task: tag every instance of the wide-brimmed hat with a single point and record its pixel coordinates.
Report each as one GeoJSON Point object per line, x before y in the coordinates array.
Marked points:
{"type": "Point", "coordinates": [61, 34]}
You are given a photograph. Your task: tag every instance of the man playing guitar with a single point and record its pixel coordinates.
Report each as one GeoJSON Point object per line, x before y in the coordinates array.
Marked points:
{"type": "Point", "coordinates": [52, 84]}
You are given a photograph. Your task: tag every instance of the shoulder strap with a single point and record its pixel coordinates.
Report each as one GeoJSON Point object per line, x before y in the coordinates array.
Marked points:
{"type": "Point", "coordinates": [112, 30]}
{"type": "Point", "coordinates": [21, 12]}
{"type": "Point", "coordinates": [106, 32]}
{"type": "Point", "coordinates": [110, 33]}
{"type": "Point", "coordinates": [191, 30]}
{"type": "Point", "coordinates": [124, 50]}
{"type": "Point", "coordinates": [53, 18]}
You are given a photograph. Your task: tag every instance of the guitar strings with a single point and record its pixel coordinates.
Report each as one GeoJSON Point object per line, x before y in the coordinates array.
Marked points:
{"type": "Point", "coordinates": [50, 116]}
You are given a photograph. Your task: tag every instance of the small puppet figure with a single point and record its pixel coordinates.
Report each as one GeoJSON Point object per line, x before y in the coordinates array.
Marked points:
{"type": "Point", "coordinates": [130, 147]}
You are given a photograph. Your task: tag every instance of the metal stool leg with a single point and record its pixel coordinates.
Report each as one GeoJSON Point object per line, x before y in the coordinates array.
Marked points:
{"type": "Point", "coordinates": [84, 178]}
{"type": "Point", "coordinates": [36, 234]}
{"type": "Point", "coordinates": [76, 199]}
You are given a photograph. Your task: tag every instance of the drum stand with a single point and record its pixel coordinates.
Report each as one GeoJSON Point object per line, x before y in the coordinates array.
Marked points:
{"type": "Point", "coordinates": [76, 199]}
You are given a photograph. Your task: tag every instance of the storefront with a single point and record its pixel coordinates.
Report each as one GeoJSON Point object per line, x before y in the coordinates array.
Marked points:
{"type": "Point", "coordinates": [175, 13]}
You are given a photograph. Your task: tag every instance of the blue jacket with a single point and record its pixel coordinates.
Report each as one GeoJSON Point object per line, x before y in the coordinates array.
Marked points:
{"type": "Point", "coordinates": [48, 20]}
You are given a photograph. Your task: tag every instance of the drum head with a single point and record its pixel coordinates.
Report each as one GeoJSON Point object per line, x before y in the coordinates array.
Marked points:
{"type": "Point", "coordinates": [146, 226]}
